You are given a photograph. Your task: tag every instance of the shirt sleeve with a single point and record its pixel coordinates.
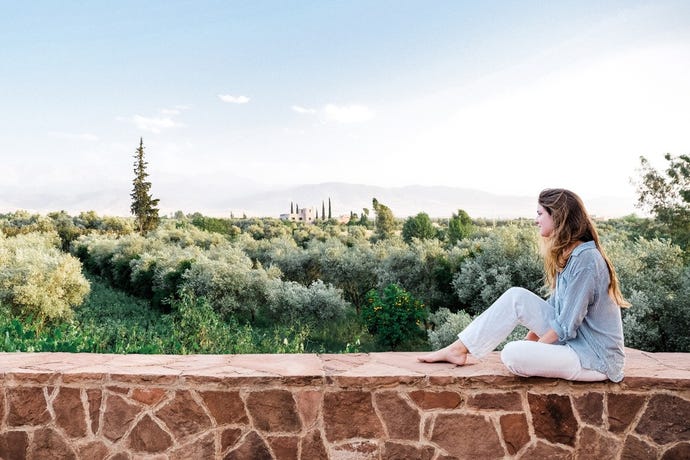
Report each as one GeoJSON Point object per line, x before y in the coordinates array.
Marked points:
{"type": "Point", "coordinates": [579, 294]}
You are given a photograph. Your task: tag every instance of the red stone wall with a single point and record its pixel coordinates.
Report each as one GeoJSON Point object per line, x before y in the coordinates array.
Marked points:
{"type": "Point", "coordinates": [350, 409]}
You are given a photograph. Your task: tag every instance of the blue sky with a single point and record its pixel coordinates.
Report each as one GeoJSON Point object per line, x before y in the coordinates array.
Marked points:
{"type": "Point", "coordinates": [230, 97]}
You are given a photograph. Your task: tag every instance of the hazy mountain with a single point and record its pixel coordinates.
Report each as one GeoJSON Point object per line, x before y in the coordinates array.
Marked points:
{"type": "Point", "coordinates": [437, 201]}
{"type": "Point", "coordinates": [212, 198]}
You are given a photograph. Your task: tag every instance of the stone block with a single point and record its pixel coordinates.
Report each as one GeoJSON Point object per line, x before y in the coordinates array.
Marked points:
{"type": "Point", "coordinates": [118, 416]}
{"type": "Point", "coordinates": [184, 416]}
{"type": "Point", "coordinates": [636, 449]}
{"type": "Point", "coordinates": [274, 411]}
{"type": "Point", "coordinates": [148, 396]}
{"type": "Point", "coordinates": [251, 446]}
{"type": "Point", "coordinates": [93, 450]}
{"type": "Point", "coordinates": [666, 419]}
{"type": "Point", "coordinates": [590, 408]}
{"type": "Point", "coordinates": [309, 406]}
{"type": "Point", "coordinates": [429, 400]}
{"type": "Point", "coordinates": [515, 430]}
{"type": "Point", "coordinates": [401, 419]}
{"type": "Point", "coordinates": [147, 436]}
{"type": "Point", "coordinates": [14, 444]}
{"type": "Point", "coordinates": [396, 451]}
{"type": "Point", "coordinates": [678, 452]}
{"type": "Point", "coordinates": [623, 409]}
{"type": "Point", "coordinates": [284, 447]}
{"type": "Point", "coordinates": [467, 436]}
{"type": "Point", "coordinates": [542, 450]}
{"type": "Point", "coordinates": [313, 446]}
{"type": "Point", "coordinates": [27, 406]}
{"type": "Point", "coordinates": [47, 443]}
{"type": "Point", "coordinates": [201, 448]}
{"type": "Point", "coordinates": [594, 444]}
{"type": "Point", "coordinates": [350, 414]}
{"type": "Point", "coordinates": [511, 402]}
{"type": "Point", "coordinates": [69, 412]}
{"type": "Point", "coordinates": [226, 407]}
{"type": "Point", "coordinates": [360, 450]}
{"type": "Point", "coordinates": [553, 418]}
{"type": "Point", "coordinates": [229, 437]}
{"type": "Point", "coordinates": [94, 398]}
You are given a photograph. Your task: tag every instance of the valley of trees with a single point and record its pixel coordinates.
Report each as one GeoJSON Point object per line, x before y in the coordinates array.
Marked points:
{"type": "Point", "coordinates": [198, 284]}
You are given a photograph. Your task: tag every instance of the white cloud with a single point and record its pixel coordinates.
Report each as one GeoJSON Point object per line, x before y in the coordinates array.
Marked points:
{"type": "Point", "coordinates": [303, 110]}
{"type": "Point", "coordinates": [74, 136]}
{"type": "Point", "coordinates": [348, 113]}
{"type": "Point", "coordinates": [233, 99]}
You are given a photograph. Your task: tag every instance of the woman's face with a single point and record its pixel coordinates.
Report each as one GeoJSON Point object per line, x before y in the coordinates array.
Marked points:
{"type": "Point", "coordinates": [544, 221]}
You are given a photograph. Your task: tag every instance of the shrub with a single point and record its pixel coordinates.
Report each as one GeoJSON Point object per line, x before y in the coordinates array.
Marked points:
{"type": "Point", "coordinates": [292, 303]}
{"type": "Point", "coordinates": [37, 279]}
{"type": "Point", "coordinates": [447, 325]}
{"type": "Point", "coordinates": [506, 257]}
{"type": "Point", "coordinates": [394, 316]}
{"type": "Point", "coordinates": [654, 281]}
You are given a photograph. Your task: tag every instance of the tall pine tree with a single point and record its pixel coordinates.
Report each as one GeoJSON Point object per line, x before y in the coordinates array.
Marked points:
{"type": "Point", "coordinates": [143, 204]}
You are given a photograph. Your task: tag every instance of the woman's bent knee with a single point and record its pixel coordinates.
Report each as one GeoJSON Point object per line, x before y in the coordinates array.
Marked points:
{"type": "Point", "coordinates": [510, 355]}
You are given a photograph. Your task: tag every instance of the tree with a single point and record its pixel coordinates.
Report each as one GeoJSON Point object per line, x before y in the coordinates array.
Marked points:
{"type": "Point", "coordinates": [323, 210]}
{"type": "Point", "coordinates": [419, 227]}
{"type": "Point", "coordinates": [667, 195]}
{"type": "Point", "coordinates": [385, 221]}
{"type": "Point", "coordinates": [292, 208]}
{"type": "Point", "coordinates": [459, 227]}
{"type": "Point", "coordinates": [329, 208]}
{"type": "Point", "coordinates": [143, 204]}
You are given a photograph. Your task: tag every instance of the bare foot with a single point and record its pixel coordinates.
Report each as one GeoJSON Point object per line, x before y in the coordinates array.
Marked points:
{"type": "Point", "coordinates": [455, 353]}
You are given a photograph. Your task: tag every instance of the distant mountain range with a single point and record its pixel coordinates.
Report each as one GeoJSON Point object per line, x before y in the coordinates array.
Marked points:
{"type": "Point", "coordinates": [436, 201]}
{"type": "Point", "coordinates": [212, 199]}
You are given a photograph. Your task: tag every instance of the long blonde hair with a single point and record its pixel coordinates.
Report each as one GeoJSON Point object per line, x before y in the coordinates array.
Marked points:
{"type": "Point", "coordinates": [571, 224]}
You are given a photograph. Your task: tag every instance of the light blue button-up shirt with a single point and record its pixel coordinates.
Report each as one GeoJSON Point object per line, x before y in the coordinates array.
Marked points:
{"type": "Point", "coordinates": [585, 316]}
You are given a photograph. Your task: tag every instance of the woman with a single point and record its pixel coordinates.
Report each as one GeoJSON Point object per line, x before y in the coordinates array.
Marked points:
{"type": "Point", "coordinates": [576, 334]}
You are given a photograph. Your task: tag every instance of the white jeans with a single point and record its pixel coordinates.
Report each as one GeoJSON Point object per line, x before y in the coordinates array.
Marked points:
{"type": "Point", "coordinates": [524, 358]}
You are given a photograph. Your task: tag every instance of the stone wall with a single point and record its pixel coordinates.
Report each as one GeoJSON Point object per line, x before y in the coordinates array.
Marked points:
{"type": "Point", "coordinates": [373, 406]}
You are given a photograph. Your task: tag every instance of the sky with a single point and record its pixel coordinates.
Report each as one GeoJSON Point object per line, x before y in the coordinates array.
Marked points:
{"type": "Point", "coordinates": [235, 97]}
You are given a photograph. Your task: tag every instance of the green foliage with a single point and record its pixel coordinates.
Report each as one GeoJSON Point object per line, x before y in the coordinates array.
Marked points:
{"type": "Point", "coordinates": [37, 279]}
{"type": "Point", "coordinates": [385, 222]}
{"type": "Point", "coordinates": [667, 195]}
{"type": "Point", "coordinates": [217, 225]}
{"type": "Point", "coordinates": [506, 257]}
{"type": "Point", "coordinates": [394, 317]}
{"type": "Point", "coordinates": [264, 285]}
{"type": "Point", "coordinates": [445, 327]}
{"type": "Point", "coordinates": [423, 267]}
{"type": "Point", "coordinates": [419, 227]}
{"type": "Point", "coordinates": [655, 282]}
{"type": "Point", "coordinates": [292, 303]}
{"type": "Point", "coordinates": [459, 227]}
{"type": "Point", "coordinates": [143, 204]}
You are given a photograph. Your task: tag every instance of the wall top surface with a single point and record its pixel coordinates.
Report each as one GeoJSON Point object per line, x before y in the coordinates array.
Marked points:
{"type": "Point", "coordinates": [643, 370]}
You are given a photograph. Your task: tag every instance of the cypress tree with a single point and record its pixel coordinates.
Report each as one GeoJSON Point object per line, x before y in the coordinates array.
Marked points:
{"type": "Point", "coordinates": [329, 208]}
{"type": "Point", "coordinates": [143, 204]}
{"type": "Point", "coordinates": [323, 210]}
{"type": "Point", "coordinates": [292, 208]}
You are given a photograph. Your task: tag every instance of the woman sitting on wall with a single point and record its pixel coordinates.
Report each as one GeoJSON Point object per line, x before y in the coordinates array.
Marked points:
{"type": "Point", "coordinates": [577, 334]}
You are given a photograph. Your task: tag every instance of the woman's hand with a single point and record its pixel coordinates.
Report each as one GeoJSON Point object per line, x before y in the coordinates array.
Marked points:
{"type": "Point", "coordinates": [549, 337]}
{"type": "Point", "coordinates": [531, 336]}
